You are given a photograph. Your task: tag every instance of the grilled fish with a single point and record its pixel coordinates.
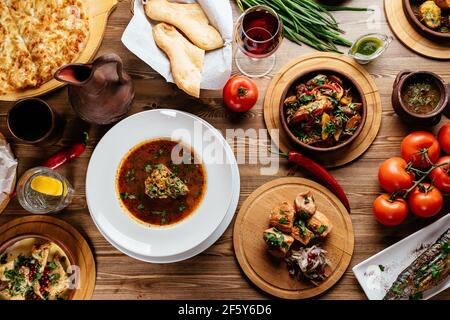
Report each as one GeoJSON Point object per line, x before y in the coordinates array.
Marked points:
{"type": "Point", "coordinates": [427, 271]}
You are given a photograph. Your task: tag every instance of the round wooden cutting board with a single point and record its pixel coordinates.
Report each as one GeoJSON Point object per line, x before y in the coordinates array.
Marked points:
{"type": "Point", "coordinates": [6, 201]}
{"type": "Point", "coordinates": [270, 274]}
{"type": "Point", "coordinates": [409, 36]}
{"type": "Point", "coordinates": [289, 73]}
{"type": "Point", "coordinates": [99, 11]}
{"type": "Point", "coordinates": [66, 234]}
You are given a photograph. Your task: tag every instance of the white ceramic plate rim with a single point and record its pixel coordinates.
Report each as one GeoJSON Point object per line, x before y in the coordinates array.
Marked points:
{"type": "Point", "coordinates": [117, 224]}
{"type": "Point", "coordinates": [427, 235]}
{"type": "Point", "coordinates": [195, 251]}
{"type": "Point", "coordinates": [204, 245]}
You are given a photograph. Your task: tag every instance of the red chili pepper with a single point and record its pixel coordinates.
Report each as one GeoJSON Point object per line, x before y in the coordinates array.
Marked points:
{"type": "Point", "coordinates": [325, 86]}
{"type": "Point", "coordinates": [63, 156]}
{"type": "Point", "coordinates": [320, 173]}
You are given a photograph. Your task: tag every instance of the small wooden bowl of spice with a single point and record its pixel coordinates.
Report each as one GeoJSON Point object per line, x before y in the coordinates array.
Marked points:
{"type": "Point", "coordinates": [419, 98]}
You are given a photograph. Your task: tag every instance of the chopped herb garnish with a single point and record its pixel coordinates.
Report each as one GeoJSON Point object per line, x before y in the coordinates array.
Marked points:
{"type": "Point", "coordinates": [51, 265]}
{"type": "Point", "coordinates": [126, 195]}
{"type": "Point", "coordinates": [381, 267]}
{"type": "Point", "coordinates": [148, 168]}
{"type": "Point", "coordinates": [321, 229]}
{"type": "Point", "coordinates": [181, 207]}
{"type": "Point", "coordinates": [302, 227]}
{"type": "Point", "coordinates": [417, 296]}
{"type": "Point", "coordinates": [283, 220]}
{"type": "Point", "coordinates": [274, 240]}
{"type": "Point", "coordinates": [307, 200]}
{"type": "Point", "coordinates": [130, 175]}
{"type": "Point", "coordinates": [140, 206]}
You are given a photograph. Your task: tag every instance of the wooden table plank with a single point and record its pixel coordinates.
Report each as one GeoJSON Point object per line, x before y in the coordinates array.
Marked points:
{"type": "Point", "coordinates": [215, 274]}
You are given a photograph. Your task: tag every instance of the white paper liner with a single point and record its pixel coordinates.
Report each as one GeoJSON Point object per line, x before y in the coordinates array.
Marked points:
{"type": "Point", "coordinates": [138, 38]}
{"type": "Point", "coordinates": [8, 166]}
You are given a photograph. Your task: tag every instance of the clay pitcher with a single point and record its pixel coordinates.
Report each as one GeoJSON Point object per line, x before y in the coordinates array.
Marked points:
{"type": "Point", "coordinates": [100, 92]}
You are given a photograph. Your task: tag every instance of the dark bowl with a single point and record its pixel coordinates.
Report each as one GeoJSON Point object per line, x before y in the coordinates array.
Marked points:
{"type": "Point", "coordinates": [8, 243]}
{"type": "Point", "coordinates": [303, 77]}
{"type": "Point", "coordinates": [410, 6]}
{"type": "Point", "coordinates": [428, 119]}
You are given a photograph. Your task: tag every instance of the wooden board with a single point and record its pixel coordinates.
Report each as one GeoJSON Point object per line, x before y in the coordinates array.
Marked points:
{"type": "Point", "coordinates": [290, 72]}
{"type": "Point", "coordinates": [65, 233]}
{"type": "Point", "coordinates": [409, 36]}
{"type": "Point", "coordinates": [99, 11]}
{"type": "Point", "coordinates": [5, 203]}
{"type": "Point", "coordinates": [271, 274]}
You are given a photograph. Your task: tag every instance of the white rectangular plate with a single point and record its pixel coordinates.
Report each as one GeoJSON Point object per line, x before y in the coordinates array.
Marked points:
{"type": "Point", "coordinates": [398, 257]}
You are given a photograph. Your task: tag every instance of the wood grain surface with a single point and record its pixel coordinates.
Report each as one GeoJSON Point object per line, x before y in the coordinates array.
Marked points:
{"type": "Point", "coordinates": [215, 274]}
{"type": "Point", "coordinates": [270, 274]}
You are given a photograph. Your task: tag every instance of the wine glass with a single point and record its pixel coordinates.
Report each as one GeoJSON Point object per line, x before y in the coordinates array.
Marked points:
{"type": "Point", "coordinates": [258, 34]}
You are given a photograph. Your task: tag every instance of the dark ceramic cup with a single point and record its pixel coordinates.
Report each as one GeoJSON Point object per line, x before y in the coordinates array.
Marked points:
{"type": "Point", "coordinates": [33, 121]}
{"type": "Point", "coordinates": [428, 119]}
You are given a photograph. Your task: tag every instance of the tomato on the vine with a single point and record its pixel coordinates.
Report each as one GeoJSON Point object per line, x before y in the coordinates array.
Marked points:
{"type": "Point", "coordinates": [441, 175]}
{"type": "Point", "coordinates": [393, 175]}
{"type": "Point", "coordinates": [444, 138]}
{"type": "Point", "coordinates": [388, 211]}
{"type": "Point", "coordinates": [240, 94]}
{"type": "Point", "coordinates": [425, 201]}
{"type": "Point", "coordinates": [421, 149]}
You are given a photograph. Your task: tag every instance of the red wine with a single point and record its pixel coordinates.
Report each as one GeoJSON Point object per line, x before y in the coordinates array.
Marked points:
{"type": "Point", "coordinates": [260, 34]}
{"type": "Point", "coordinates": [30, 120]}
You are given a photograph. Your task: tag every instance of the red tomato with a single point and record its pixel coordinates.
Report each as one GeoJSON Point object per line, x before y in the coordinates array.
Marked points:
{"type": "Point", "coordinates": [425, 201]}
{"type": "Point", "coordinates": [441, 175]}
{"type": "Point", "coordinates": [390, 212]}
{"type": "Point", "coordinates": [393, 176]}
{"type": "Point", "coordinates": [240, 94]}
{"type": "Point", "coordinates": [417, 145]}
{"type": "Point", "coordinates": [444, 138]}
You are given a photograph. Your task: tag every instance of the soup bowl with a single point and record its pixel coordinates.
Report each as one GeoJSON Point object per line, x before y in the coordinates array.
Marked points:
{"type": "Point", "coordinates": [411, 8]}
{"type": "Point", "coordinates": [432, 118]}
{"type": "Point", "coordinates": [349, 82]}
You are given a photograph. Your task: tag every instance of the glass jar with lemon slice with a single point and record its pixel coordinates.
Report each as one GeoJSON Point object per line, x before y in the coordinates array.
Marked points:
{"type": "Point", "coordinates": [42, 190]}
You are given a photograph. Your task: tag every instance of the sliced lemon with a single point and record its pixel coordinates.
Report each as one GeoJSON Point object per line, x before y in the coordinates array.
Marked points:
{"type": "Point", "coordinates": [47, 185]}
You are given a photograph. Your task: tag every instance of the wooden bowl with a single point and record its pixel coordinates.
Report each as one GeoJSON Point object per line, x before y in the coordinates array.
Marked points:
{"type": "Point", "coordinates": [410, 6]}
{"type": "Point", "coordinates": [428, 119]}
{"type": "Point", "coordinates": [308, 74]}
{"type": "Point", "coordinates": [8, 243]}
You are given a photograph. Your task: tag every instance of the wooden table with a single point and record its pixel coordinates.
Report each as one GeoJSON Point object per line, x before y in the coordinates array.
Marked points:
{"type": "Point", "coordinates": [215, 274]}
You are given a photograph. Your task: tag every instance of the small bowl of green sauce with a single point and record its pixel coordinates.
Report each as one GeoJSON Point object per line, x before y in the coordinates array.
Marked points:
{"type": "Point", "coordinates": [369, 47]}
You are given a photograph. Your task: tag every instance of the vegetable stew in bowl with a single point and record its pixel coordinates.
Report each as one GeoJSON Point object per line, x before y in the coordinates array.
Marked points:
{"type": "Point", "coordinates": [323, 110]}
{"type": "Point", "coordinates": [154, 189]}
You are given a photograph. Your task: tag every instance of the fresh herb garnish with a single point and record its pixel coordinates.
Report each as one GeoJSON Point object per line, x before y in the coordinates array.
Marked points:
{"type": "Point", "coordinates": [126, 195]}
{"type": "Point", "coordinates": [283, 220]}
{"type": "Point", "coordinates": [307, 200]}
{"type": "Point", "coordinates": [274, 240]}
{"type": "Point", "coordinates": [140, 206]}
{"type": "Point", "coordinates": [162, 214]}
{"type": "Point", "coordinates": [381, 267]}
{"type": "Point", "coordinates": [130, 175]}
{"type": "Point", "coordinates": [417, 296]}
{"type": "Point", "coordinates": [181, 207]}
{"type": "Point", "coordinates": [148, 168]}
{"type": "Point", "coordinates": [51, 265]}
{"type": "Point", "coordinates": [321, 229]}
{"type": "Point", "coordinates": [302, 227]}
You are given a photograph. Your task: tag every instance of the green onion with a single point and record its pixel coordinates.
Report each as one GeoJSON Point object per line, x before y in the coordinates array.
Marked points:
{"type": "Point", "coordinates": [308, 22]}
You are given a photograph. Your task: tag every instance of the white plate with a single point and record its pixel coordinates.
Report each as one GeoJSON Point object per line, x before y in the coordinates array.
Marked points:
{"type": "Point", "coordinates": [103, 201]}
{"type": "Point", "coordinates": [398, 257]}
{"type": "Point", "coordinates": [204, 245]}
